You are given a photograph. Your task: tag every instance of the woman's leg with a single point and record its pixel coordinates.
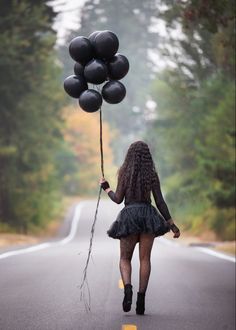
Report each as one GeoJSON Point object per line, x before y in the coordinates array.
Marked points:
{"type": "Point", "coordinates": [145, 248]}
{"type": "Point", "coordinates": [127, 245]}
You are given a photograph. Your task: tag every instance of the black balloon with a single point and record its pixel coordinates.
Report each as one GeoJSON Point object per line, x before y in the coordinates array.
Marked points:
{"type": "Point", "coordinates": [95, 72]}
{"type": "Point", "coordinates": [106, 44]}
{"type": "Point", "coordinates": [81, 50]}
{"type": "Point", "coordinates": [113, 92]}
{"type": "Point", "coordinates": [92, 37]}
{"type": "Point", "coordinates": [78, 69]}
{"type": "Point", "coordinates": [118, 67]}
{"type": "Point", "coordinates": [75, 85]}
{"type": "Point", "coordinates": [90, 100]}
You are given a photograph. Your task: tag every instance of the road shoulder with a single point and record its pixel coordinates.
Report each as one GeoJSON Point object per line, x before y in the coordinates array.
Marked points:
{"type": "Point", "coordinates": [187, 239]}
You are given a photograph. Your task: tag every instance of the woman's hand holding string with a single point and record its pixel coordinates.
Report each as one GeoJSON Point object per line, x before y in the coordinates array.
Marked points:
{"type": "Point", "coordinates": [105, 185]}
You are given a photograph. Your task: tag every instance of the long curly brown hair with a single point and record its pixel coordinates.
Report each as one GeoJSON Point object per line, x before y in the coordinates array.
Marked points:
{"type": "Point", "coordinates": [138, 171]}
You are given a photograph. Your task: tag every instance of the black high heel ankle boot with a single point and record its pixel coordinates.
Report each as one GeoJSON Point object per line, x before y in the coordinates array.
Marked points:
{"type": "Point", "coordinates": [127, 302]}
{"type": "Point", "coordinates": [140, 304]}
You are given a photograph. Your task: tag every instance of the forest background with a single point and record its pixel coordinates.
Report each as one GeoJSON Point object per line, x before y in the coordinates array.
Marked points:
{"type": "Point", "coordinates": [180, 100]}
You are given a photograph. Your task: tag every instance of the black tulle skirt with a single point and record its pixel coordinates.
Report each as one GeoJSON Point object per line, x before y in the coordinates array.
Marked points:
{"type": "Point", "coordinates": [138, 218]}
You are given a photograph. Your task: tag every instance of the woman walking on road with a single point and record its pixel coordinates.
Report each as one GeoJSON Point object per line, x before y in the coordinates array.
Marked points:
{"type": "Point", "coordinates": [138, 221]}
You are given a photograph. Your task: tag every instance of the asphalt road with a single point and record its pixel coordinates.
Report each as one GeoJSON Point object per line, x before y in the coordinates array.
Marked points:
{"type": "Point", "coordinates": [39, 289]}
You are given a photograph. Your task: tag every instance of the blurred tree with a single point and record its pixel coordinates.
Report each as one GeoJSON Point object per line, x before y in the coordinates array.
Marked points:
{"type": "Point", "coordinates": [194, 133]}
{"type": "Point", "coordinates": [205, 42]}
{"type": "Point", "coordinates": [216, 148]}
{"type": "Point", "coordinates": [30, 121]}
{"type": "Point", "coordinates": [82, 135]}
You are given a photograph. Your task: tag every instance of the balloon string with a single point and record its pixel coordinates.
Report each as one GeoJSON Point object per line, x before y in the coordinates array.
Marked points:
{"type": "Point", "coordinates": [101, 143]}
{"type": "Point", "coordinates": [85, 280]}
{"type": "Point", "coordinates": [87, 302]}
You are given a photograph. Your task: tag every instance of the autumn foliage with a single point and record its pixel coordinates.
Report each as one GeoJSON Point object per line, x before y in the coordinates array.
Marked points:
{"type": "Point", "coordinates": [82, 131]}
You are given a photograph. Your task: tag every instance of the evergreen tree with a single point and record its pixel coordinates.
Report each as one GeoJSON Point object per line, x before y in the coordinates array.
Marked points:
{"type": "Point", "coordinates": [195, 117]}
{"type": "Point", "coordinates": [30, 121]}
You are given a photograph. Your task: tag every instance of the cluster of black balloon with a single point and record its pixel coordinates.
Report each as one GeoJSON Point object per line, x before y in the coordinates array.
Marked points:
{"type": "Point", "coordinates": [96, 62]}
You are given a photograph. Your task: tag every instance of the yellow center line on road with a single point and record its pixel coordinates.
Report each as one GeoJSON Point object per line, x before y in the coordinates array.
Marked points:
{"type": "Point", "coordinates": [121, 284]}
{"type": "Point", "coordinates": [126, 326]}
{"type": "Point", "coordinates": [129, 327]}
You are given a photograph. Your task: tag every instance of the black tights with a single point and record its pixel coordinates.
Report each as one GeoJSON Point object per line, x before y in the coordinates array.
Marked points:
{"type": "Point", "coordinates": [127, 245]}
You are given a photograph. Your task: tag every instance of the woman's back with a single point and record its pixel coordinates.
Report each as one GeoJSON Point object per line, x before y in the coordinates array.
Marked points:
{"type": "Point", "coordinates": [138, 178]}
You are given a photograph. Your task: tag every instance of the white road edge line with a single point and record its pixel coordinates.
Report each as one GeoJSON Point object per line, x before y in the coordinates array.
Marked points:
{"type": "Point", "coordinates": [66, 240]}
{"type": "Point", "coordinates": [72, 233]}
{"type": "Point", "coordinates": [202, 249]}
{"type": "Point", "coordinates": [216, 254]}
